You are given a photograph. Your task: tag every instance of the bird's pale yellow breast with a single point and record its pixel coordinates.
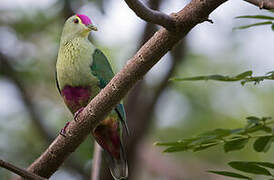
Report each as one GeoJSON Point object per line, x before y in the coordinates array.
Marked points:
{"type": "Point", "coordinates": [73, 63]}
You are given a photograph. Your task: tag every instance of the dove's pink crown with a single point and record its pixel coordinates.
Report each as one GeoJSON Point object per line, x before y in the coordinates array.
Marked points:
{"type": "Point", "coordinates": [85, 19]}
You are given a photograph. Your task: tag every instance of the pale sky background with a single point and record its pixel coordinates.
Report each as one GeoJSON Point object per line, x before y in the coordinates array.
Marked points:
{"type": "Point", "coordinates": [121, 26]}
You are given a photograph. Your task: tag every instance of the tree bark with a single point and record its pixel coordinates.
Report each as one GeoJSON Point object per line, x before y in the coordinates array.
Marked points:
{"type": "Point", "coordinates": [262, 4]}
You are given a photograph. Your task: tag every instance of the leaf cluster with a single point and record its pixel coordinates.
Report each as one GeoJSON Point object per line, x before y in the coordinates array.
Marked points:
{"type": "Point", "coordinates": [242, 77]}
{"type": "Point", "coordinates": [268, 20]}
{"type": "Point", "coordinates": [250, 167]}
{"type": "Point", "coordinates": [231, 139]}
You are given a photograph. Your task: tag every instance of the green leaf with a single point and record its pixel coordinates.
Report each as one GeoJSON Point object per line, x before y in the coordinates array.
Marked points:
{"type": "Point", "coordinates": [265, 164]}
{"type": "Point", "coordinates": [203, 147]}
{"type": "Point", "coordinates": [177, 143]}
{"type": "Point", "coordinates": [176, 149]}
{"type": "Point", "coordinates": [270, 73]}
{"type": "Point", "coordinates": [216, 77]}
{"type": "Point", "coordinates": [272, 27]}
{"type": "Point", "coordinates": [237, 131]}
{"type": "Point", "coordinates": [244, 75]}
{"type": "Point", "coordinates": [230, 174]}
{"type": "Point", "coordinates": [266, 118]}
{"type": "Point", "coordinates": [166, 143]}
{"type": "Point", "coordinates": [252, 25]}
{"type": "Point", "coordinates": [256, 17]}
{"type": "Point", "coordinates": [249, 168]}
{"type": "Point", "coordinates": [216, 133]}
{"type": "Point", "coordinates": [267, 129]}
{"type": "Point", "coordinates": [235, 145]}
{"type": "Point", "coordinates": [263, 144]}
{"type": "Point", "coordinates": [253, 119]}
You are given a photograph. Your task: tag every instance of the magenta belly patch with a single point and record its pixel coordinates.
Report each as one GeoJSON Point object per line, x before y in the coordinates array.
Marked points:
{"type": "Point", "coordinates": [76, 97]}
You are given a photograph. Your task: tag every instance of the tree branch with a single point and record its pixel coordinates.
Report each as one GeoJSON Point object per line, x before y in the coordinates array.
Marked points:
{"type": "Point", "coordinates": [19, 171]}
{"type": "Point", "coordinates": [152, 51]}
{"type": "Point", "coordinates": [150, 15]}
{"type": "Point", "coordinates": [262, 4]}
{"type": "Point", "coordinates": [96, 162]}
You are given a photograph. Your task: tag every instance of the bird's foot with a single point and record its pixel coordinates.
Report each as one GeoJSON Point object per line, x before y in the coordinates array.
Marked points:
{"type": "Point", "coordinates": [77, 113]}
{"type": "Point", "coordinates": [63, 131]}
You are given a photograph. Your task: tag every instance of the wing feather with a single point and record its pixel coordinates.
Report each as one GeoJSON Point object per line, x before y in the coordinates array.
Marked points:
{"type": "Point", "coordinates": [101, 69]}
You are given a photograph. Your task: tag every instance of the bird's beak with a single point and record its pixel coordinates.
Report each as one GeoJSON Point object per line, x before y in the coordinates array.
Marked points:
{"type": "Point", "coordinates": [92, 27]}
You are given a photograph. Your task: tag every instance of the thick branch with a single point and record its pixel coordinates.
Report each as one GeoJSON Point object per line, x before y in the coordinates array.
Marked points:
{"type": "Point", "coordinates": [150, 15]}
{"type": "Point", "coordinates": [19, 171]}
{"type": "Point", "coordinates": [262, 4]}
{"type": "Point", "coordinates": [162, 41]}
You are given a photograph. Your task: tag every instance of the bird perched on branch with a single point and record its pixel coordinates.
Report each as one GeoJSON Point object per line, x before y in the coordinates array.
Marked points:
{"type": "Point", "coordinates": [82, 71]}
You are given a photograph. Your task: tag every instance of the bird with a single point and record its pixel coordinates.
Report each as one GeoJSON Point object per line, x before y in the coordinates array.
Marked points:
{"type": "Point", "coordinates": [82, 71]}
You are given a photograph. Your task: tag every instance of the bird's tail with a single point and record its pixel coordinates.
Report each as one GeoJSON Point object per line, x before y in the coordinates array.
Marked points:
{"type": "Point", "coordinates": [108, 137]}
{"type": "Point", "coordinates": [117, 165]}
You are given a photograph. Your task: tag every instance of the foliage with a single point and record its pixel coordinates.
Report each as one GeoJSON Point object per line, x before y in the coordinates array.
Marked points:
{"type": "Point", "coordinates": [256, 128]}
{"type": "Point", "coordinates": [251, 167]}
{"type": "Point", "coordinates": [232, 139]}
{"type": "Point", "coordinates": [269, 20]}
{"type": "Point", "coordinates": [242, 77]}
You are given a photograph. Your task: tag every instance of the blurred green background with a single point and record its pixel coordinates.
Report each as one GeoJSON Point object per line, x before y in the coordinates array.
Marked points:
{"type": "Point", "coordinates": [32, 111]}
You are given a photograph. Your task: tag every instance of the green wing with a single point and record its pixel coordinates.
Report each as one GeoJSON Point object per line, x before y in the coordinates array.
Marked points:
{"type": "Point", "coordinates": [101, 69]}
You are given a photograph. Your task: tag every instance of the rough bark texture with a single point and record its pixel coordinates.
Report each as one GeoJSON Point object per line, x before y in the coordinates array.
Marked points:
{"type": "Point", "coordinates": [194, 13]}
{"type": "Point", "coordinates": [262, 4]}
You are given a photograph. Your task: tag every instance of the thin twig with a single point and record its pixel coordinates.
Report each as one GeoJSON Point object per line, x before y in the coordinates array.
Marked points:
{"type": "Point", "coordinates": [262, 4]}
{"type": "Point", "coordinates": [150, 15]}
{"type": "Point", "coordinates": [96, 163]}
{"type": "Point", "coordinates": [21, 172]}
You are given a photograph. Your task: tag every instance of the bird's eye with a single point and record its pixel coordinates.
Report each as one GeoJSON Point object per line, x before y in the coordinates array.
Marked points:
{"type": "Point", "coordinates": [76, 21]}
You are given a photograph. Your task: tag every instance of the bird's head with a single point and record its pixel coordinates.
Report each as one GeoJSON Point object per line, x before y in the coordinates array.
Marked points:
{"type": "Point", "coordinates": [78, 25]}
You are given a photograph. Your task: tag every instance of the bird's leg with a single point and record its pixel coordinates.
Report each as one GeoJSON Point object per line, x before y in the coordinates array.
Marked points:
{"type": "Point", "coordinates": [77, 113]}
{"type": "Point", "coordinates": [63, 131]}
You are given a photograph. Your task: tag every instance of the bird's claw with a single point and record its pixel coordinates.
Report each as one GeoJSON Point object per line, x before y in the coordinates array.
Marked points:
{"type": "Point", "coordinates": [77, 113]}
{"type": "Point", "coordinates": [63, 130]}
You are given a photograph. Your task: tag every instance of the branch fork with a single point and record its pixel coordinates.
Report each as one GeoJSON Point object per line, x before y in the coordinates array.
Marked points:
{"type": "Point", "coordinates": [152, 16]}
